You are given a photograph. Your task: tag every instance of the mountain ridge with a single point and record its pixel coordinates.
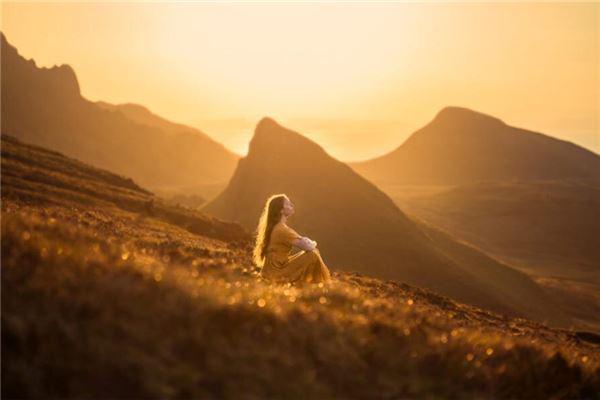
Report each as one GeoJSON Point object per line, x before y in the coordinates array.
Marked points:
{"type": "Point", "coordinates": [45, 107]}
{"type": "Point", "coordinates": [460, 145]}
{"type": "Point", "coordinates": [63, 74]}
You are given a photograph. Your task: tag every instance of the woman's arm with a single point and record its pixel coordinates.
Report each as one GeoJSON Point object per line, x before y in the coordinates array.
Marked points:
{"type": "Point", "coordinates": [305, 243]}
{"type": "Point", "coordinates": [302, 242]}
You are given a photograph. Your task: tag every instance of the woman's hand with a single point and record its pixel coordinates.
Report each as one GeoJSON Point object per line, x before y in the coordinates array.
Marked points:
{"type": "Point", "coordinates": [306, 244]}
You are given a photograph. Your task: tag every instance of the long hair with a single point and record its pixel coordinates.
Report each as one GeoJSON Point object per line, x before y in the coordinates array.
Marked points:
{"type": "Point", "coordinates": [270, 216]}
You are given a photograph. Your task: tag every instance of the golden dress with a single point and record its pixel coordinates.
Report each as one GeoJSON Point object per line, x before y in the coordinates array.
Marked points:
{"type": "Point", "coordinates": [283, 266]}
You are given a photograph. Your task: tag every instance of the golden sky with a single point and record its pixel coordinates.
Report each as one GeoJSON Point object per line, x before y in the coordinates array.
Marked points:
{"type": "Point", "coordinates": [358, 78]}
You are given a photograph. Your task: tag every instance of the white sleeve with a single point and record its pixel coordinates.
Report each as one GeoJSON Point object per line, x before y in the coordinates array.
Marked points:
{"type": "Point", "coordinates": [306, 244]}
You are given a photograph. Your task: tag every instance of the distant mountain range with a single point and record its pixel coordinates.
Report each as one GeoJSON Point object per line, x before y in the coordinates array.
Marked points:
{"type": "Point", "coordinates": [359, 228]}
{"type": "Point", "coordinates": [44, 106]}
{"type": "Point", "coordinates": [461, 145]}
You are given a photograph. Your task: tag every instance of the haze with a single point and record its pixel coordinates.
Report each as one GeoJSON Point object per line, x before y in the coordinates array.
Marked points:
{"type": "Point", "coordinates": [356, 78]}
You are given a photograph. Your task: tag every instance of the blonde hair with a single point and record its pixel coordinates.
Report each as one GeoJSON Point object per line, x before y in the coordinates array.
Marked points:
{"type": "Point", "coordinates": [269, 217]}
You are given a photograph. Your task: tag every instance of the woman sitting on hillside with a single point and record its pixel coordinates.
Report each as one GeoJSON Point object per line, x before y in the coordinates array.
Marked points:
{"type": "Point", "coordinates": [274, 241]}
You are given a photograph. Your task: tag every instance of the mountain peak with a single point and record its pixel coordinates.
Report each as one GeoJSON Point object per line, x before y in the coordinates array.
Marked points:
{"type": "Point", "coordinates": [270, 136]}
{"type": "Point", "coordinates": [66, 74]}
{"type": "Point", "coordinates": [455, 115]}
{"type": "Point", "coordinates": [266, 124]}
{"type": "Point", "coordinates": [57, 79]}
{"type": "Point", "coordinates": [269, 130]}
{"type": "Point", "coordinates": [462, 146]}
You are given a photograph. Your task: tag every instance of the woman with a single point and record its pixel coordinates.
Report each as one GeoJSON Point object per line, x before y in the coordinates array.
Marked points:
{"type": "Point", "coordinates": [274, 241]}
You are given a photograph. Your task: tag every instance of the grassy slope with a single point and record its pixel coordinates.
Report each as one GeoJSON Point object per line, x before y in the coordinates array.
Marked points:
{"type": "Point", "coordinates": [548, 225]}
{"type": "Point", "coordinates": [34, 174]}
{"type": "Point", "coordinates": [100, 300]}
{"type": "Point", "coordinates": [548, 229]}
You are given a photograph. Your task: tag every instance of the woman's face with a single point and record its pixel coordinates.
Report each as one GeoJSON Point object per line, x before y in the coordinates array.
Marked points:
{"type": "Point", "coordinates": [288, 207]}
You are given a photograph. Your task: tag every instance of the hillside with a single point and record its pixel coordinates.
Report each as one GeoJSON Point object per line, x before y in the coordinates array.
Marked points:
{"type": "Point", "coordinates": [544, 224]}
{"type": "Point", "coordinates": [105, 296]}
{"type": "Point", "coordinates": [548, 229]}
{"type": "Point", "coordinates": [34, 175]}
{"type": "Point", "coordinates": [464, 146]}
{"type": "Point", "coordinates": [44, 106]}
{"type": "Point", "coordinates": [360, 229]}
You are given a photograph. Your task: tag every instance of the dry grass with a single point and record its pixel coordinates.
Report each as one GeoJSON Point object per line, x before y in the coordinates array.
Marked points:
{"type": "Point", "coordinates": [35, 175]}
{"type": "Point", "coordinates": [99, 303]}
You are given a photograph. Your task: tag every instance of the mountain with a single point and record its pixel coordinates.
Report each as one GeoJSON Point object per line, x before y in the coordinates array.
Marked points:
{"type": "Point", "coordinates": [359, 228]}
{"type": "Point", "coordinates": [141, 115]}
{"type": "Point", "coordinates": [44, 106]}
{"type": "Point", "coordinates": [106, 297]}
{"type": "Point", "coordinates": [461, 145]}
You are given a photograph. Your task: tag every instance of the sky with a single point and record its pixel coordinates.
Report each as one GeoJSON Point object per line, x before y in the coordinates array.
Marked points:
{"type": "Point", "coordinates": [357, 78]}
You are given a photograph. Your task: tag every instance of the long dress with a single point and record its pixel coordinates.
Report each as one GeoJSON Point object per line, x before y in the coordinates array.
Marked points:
{"type": "Point", "coordinates": [283, 266]}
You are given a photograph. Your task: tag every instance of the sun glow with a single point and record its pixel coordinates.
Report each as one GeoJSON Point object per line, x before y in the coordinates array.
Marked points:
{"type": "Point", "coordinates": [357, 78]}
